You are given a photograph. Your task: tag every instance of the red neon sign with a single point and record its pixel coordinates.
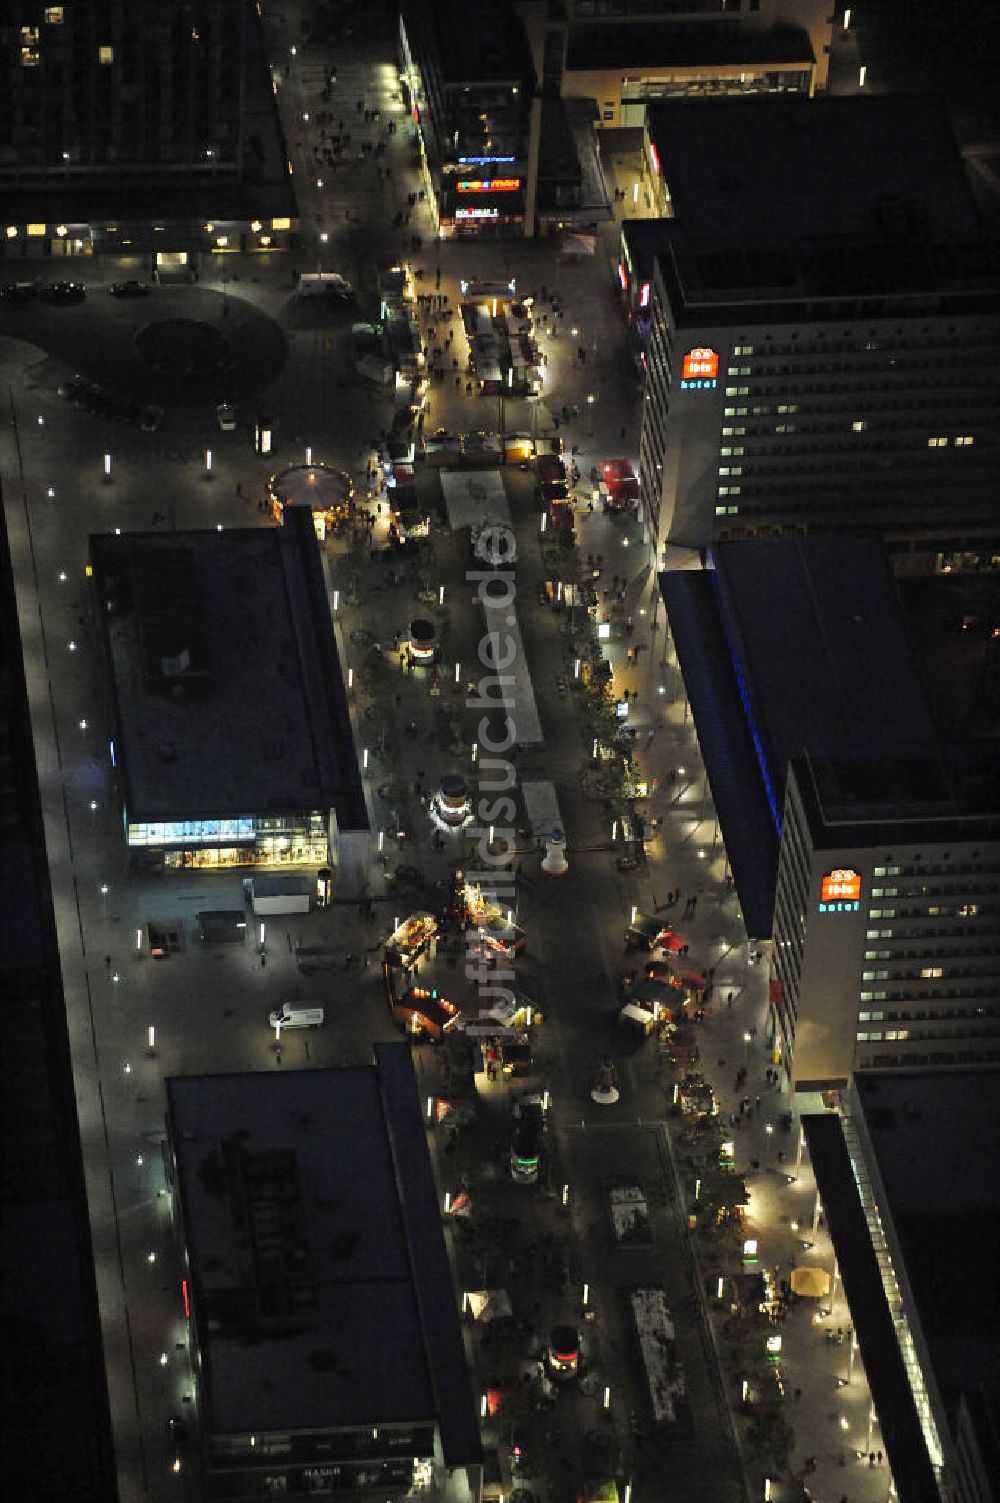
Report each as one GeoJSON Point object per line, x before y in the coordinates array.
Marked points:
{"type": "Point", "coordinates": [489, 185]}
{"type": "Point", "coordinates": [840, 886]}
{"type": "Point", "coordinates": [184, 1296]}
{"type": "Point", "coordinates": [654, 157]}
{"type": "Point", "coordinates": [700, 363]}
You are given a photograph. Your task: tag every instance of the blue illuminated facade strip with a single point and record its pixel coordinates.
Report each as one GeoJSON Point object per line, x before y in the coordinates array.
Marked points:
{"type": "Point", "coordinates": [744, 693]}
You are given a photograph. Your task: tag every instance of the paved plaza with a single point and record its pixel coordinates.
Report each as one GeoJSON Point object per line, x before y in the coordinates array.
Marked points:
{"type": "Point", "coordinates": [134, 1020]}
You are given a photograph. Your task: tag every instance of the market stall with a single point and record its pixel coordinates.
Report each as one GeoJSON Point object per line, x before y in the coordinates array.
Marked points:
{"type": "Point", "coordinates": [423, 1013]}
{"type": "Point", "coordinates": [496, 925]}
{"type": "Point", "coordinates": [407, 943]}
{"type": "Point", "coordinates": [487, 1304]}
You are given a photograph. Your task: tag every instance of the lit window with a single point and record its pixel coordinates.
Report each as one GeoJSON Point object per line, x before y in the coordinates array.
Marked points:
{"type": "Point", "coordinates": [105, 55]}
{"type": "Point", "coordinates": [30, 55]}
{"type": "Point", "coordinates": [37, 229]}
{"type": "Point", "coordinates": [937, 443]}
{"type": "Point", "coordinates": [933, 972]}
{"type": "Point", "coordinates": [53, 15]}
{"type": "Point", "coordinates": [859, 426]}
{"type": "Point", "coordinates": [964, 440]}
{"type": "Point", "coordinates": [281, 224]}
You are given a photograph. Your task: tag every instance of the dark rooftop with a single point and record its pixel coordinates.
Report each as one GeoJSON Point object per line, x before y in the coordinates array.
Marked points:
{"type": "Point", "coordinates": [230, 699]}
{"type": "Point", "coordinates": [816, 628]}
{"type": "Point", "coordinates": [938, 1156]}
{"type": "Point", "coordinates": [478, 41]}
{"type": "Point", "coordinates": [854, 801]}
{"type": "Point", "coordinates": [686, 45]}
{"type": "Point", "coordinates": [349, 1306]}
{"type": "Point", "coordinates": [53, 1369]}
{"type": "Point", "coordinates": [259, 188]}
{"type": "Point", "coordinates": [770, 168]}
{"type": "Point", "coordinates": [721, 280]}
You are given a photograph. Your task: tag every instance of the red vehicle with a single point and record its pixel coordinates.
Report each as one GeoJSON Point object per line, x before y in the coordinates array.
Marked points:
{"type": "Point", "coordinates": [621, 481]}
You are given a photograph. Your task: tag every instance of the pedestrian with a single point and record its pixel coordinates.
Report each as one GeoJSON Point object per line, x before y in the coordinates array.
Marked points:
{"type": "Point", "coordinates": [729, 999]}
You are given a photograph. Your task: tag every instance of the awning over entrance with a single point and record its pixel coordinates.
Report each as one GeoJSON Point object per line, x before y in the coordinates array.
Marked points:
{"type": "Point", "coordinates": [904, 1440]}
{"type": "Point", "coordinates": [737, 789]}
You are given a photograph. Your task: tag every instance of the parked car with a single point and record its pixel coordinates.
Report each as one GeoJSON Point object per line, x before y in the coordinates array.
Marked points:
{"type": "Point", "coordinates": [62, 292]}
{"type": "Point", "coordinates": [226, 416]}
{"type": "Point", "coordinates": [131, 287]}
{"type": "Point", "coordinates": [19, 292]}
{"type": "Point", "coordinates": [526, 1139]}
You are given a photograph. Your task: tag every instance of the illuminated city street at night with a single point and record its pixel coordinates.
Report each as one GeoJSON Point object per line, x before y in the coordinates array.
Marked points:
{"type": "Point", "coordinates": [499, 631]}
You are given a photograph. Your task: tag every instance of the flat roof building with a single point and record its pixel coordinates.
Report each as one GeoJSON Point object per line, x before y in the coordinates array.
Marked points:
{"type": "Point", "coordinates": [323, 1312]}
{"type": "Point", "coordinates": [909, 1176]}
{"type": "Point", "coordinates": [886, 918]}
{"type": "Point", "coordinates": [148, 127]}
{"type": "Point", "coordinates": [233, 740]}
{"type": "Point", "coordinates": [622, 56]}
{"type": "Point", "coordinates": [469, 80]}
{"type": "Point", "coordinates": [821, 347]}
{"type": "Point", "coordinates": [786, 647]}
{"type": "Point", "coordinates": [862, 842]}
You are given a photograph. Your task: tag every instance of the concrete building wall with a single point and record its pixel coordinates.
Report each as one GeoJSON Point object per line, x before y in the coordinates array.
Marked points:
{"type": "Point", "coordinates": [891, 422]}
{"type": "Point", "coordinates": [621, 96]}
{"type": "Point", "coordinates": [901, 972]}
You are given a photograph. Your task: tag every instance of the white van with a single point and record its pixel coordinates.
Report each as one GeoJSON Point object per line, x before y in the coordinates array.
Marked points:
{"type": "Point", "coordinates": [290, 1016]}
{"type": "Point", "coordinates": [325, 284]}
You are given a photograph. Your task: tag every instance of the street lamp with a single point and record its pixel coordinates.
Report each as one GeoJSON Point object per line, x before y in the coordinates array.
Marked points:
{"type": "Point", "coordinates": [104, 897]}
{"type": "Point", "coordinates": [591, 399]}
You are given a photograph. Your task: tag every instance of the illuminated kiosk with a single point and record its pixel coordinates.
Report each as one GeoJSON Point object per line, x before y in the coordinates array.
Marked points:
{"type": "Point", "coordinates": [554, 863]}
{"type": "Point", "coordinates": [452, 803]}
{"type": "Point", "coordinates": [423, 641]}
{"type": "Point", "coordinates": [328, 493]}
{"type": "Point", "coordinates": [605, 1089]}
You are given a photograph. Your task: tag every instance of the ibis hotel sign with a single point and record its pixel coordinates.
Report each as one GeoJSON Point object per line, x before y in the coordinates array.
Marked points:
{"type": "Point", "coordinates": [840, 891]}
{"type": "Point", "coordinates": [700, 370]}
